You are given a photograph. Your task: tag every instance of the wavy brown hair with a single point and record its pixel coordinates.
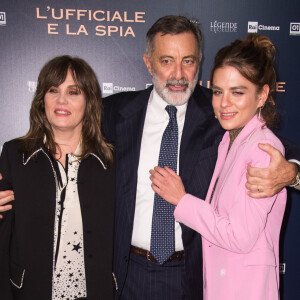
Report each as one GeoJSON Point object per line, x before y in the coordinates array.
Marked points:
{"type": "Point", "coordinates": [52, 74]}
{"type": "Point", "coordinates": [253, 57]}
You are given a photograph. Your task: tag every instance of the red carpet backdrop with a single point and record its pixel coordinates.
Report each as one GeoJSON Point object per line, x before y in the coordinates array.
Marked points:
{"type": "Point", "coordinates": [110, 36]}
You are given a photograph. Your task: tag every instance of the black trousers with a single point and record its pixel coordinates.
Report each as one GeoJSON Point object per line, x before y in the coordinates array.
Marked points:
{"type": "Point", "coordinates": [147, 280]}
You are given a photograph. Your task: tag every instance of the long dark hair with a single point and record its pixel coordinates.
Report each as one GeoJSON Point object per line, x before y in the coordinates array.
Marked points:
{"type": "Point", "coordinates": [54, 73]}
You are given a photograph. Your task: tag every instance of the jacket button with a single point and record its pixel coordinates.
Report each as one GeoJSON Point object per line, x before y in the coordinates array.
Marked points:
{"type": "Point", "coordinates": [90, 256]}
{"type": "Point", "coordinates": [125, 258]}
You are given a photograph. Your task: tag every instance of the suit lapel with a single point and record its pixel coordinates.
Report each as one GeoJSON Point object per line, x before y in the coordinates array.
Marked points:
{"type": "Point", "coordinates": [226, 161]}
{"type": "Point", "coordinates": [222, 153]}
{"type": "Point", "coordinates": [129, 130]}
{"type": "Point", "coordinates": [196, 133]}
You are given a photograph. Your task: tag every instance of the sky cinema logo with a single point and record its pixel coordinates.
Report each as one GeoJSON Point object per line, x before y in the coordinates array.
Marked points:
{"type": "Point", "coordinates": [294, 28]}
{"type": "Point", "coordinates": [2, 18]}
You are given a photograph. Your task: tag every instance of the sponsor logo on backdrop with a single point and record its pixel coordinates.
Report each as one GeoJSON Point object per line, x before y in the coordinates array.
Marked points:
{"type": "Point", "coordinates": [282, 268]}
{"type": "Point", "coordinates": [218, 26]}
{"type": "Point", "coordinates": [32, 86]}
{"type": "Point", "coordinates": [2, 18]}
{"type": "Point", "coordinates": [110, 88]}
{"type": "Point", "coordinates": [280, 86]}
{"type": "Point", "coordinates": [254, 27]}
{"type": "Point", "coordinates": [87, 21]}
{"type": "Point", "coordinates": [294, 28]}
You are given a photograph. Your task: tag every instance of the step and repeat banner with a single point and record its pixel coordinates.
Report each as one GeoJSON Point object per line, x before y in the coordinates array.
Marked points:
{"type": "Point", "coordinates": [110, 36]}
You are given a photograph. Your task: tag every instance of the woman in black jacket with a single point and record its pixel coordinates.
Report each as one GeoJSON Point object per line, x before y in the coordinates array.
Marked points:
{"type": "Point", "coordinates": [56, 242]}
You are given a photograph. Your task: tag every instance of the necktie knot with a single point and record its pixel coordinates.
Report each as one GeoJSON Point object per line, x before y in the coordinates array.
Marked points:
{"type": "Point", "coordinates": [171, 110]}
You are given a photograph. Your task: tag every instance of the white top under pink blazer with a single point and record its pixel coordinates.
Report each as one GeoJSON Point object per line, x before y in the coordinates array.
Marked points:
{"type": "Point", "coordinates": [240, 235]}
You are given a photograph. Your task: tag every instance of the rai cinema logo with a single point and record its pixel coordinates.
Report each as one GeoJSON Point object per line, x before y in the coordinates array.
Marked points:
{"type": "Point", "coordinates": [2, 18]}
{"type": "Point", "coordinates": [108, 88]}
{"type": "Point", "coordinates": [252, 27]}
{"type": "Point", "coordinates": [294, 28]}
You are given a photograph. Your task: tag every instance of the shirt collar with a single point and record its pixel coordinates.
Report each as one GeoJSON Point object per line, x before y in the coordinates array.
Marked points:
{"type": "Point", "coordinates": [157, 106]}
{"type": "Point", "coordinates": [78, 149]}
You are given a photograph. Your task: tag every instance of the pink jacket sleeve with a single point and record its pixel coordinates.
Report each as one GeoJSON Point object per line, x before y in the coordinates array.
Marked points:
{"type": "Point", "coordinates": [244, 219]}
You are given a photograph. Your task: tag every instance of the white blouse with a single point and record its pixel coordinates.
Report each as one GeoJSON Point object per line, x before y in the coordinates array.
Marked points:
{"type": "Point", "coordinates": [69, 280]}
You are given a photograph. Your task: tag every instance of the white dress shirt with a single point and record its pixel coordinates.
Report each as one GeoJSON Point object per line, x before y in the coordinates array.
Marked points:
{"type": "Point", "coordinates": [156, 122]}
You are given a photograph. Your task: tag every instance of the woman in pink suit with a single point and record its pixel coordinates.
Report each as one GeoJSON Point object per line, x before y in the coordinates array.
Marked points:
{"type": "Point", "coordinates": [240, 234]}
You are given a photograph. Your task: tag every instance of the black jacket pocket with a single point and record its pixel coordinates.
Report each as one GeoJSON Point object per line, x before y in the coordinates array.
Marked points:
{"type": "Point", "coordinates": [16, 275]}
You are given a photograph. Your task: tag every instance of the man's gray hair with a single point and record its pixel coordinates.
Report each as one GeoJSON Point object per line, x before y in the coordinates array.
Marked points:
{"type": "Point", "coordinates": [172, 25]}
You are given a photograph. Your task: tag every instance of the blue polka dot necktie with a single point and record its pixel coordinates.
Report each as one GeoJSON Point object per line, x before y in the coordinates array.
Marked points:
{"type": "Point", "coordinates": [163, 222]}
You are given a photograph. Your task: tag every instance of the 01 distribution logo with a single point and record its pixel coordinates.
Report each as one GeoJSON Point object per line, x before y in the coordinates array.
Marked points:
{"type": "Point", "coordinates": [294, 28]}
{"type": "Point", "coordinates": [2, 18]}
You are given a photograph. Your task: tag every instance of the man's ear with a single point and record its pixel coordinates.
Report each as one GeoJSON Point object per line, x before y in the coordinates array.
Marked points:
{"type": "Point", "coordinates": [147, 63]}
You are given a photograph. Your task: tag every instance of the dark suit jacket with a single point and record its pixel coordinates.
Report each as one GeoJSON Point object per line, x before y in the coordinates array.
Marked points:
{"type": "Point", "coordinates": [124, 121]}
{"type": "Point", "coordinates": [26, 232]}
{"type": "Point", "coordinates": [123, 125]}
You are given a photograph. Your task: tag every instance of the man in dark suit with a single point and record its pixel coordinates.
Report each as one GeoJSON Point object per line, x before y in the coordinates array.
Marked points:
{"type": "Point", "coordinates": [135, 123]}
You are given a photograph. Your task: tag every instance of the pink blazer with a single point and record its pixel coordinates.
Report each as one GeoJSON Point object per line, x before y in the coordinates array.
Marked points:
{"type": "Point", "coordinates": [240, 235]}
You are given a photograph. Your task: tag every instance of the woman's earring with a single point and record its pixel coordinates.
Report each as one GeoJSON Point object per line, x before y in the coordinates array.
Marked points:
{"type": "Point", "coordinates": [259, 111]}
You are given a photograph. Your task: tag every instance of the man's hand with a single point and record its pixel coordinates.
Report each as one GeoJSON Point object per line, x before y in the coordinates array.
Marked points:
{"type": "Point", "coordinates": [267, 182]}
{"type": "Point", "coordinates": [5, 197]}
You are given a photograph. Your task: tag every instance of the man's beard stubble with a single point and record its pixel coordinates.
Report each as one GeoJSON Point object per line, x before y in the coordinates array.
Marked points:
{"type": "Point", "coordinates": [175, 98]}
